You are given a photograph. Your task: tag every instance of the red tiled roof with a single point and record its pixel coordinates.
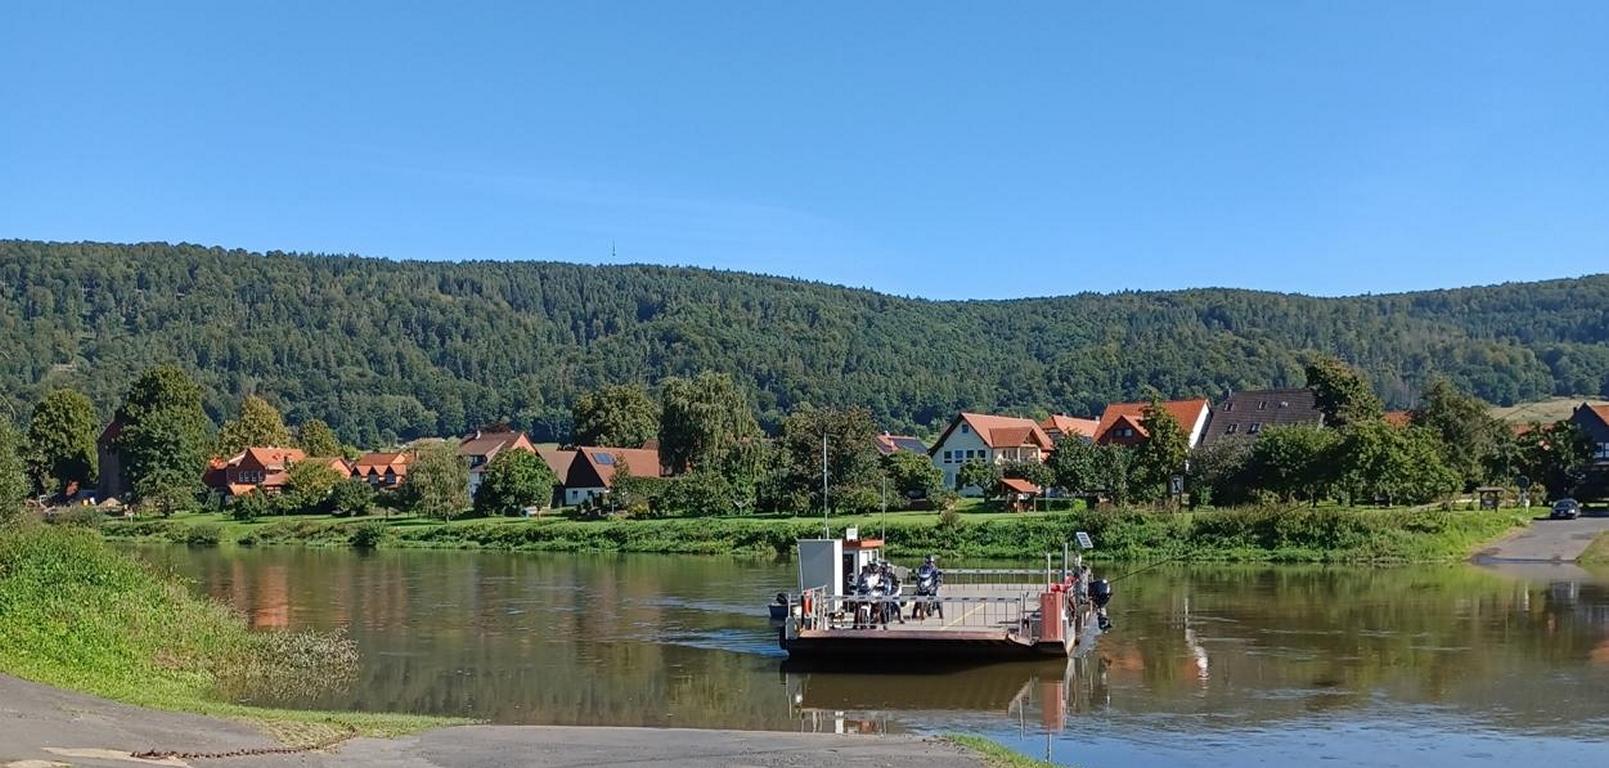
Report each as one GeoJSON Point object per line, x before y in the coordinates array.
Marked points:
{"type": "Point", "coordinates": [488, 444]}
{"type": "Point", "coordinates": [1001, 431]}
{"type": "Point", "coordinates": [1019, 485]}
{"type": "Point", "coordinates": [378, 462]}
{"type": "Point", "coordinates": [887, 444]}
{"type": "Point", "coordinates": [643, 462]}
{"type": "Point", "coordinates": [1602, 411]}
{"type": "Point", "coordinates": [1071, 426]}
{"type": "Point", "coordinates": [558, 460]}
{"type": "Point", "coordinates": [269, 459]}
{"type": "Point", "coordinates": [1186, 412]}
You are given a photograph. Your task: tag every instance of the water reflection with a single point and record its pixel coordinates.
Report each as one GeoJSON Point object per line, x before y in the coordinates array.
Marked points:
{"type": "Point", "coordinates": [1241, 663]}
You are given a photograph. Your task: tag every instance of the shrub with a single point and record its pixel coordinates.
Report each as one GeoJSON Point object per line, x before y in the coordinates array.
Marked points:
{"type": "Point", "coordinates": [204, 535]}
{"type": "Point", "coordinates": [368, 535]}
{"type": "Point", "coordinates": [80, 515]}
{"type": "Point", "coordinates": [247, 539]}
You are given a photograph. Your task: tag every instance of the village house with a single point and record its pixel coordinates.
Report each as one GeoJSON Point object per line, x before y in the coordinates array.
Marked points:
{"type": "Point", "coordinates": [994, 439]}
{"type": "Point", "coordinates": [1594, 421]}
{"type": "Point", "coordinates": [588, 472]}
{"type": "Point", "coordinates": [256, 468]}
{"type": "Point", "coordinates": [384, 471]}
{"type": "Point", "coordinates": [481, 447]}
{"type": "Point", "coordinates": [1244, 415]}
{"type": "Point", "coordinates": [1061, 427]}
{"type": "Point", "coordinates": [110, 485]}
{"type": "Point", "coordinates": [888, 444]}
{"type": "Point", "coordinates": [1121, 422]}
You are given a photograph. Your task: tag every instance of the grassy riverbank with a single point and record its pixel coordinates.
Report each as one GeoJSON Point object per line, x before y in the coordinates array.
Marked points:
{"type": "Point", "coordinates": [74, 613]}
{"type": "Point", "coordinates": [1266, 534]}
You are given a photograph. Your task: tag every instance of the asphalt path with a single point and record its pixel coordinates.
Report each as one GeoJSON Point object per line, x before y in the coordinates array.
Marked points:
{"type": "Point", "coordinates": [44, 727]}
{"type": "Point", "coordinates": [1547, 540]}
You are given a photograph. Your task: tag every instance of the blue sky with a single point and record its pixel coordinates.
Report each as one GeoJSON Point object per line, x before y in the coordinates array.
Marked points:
{"type": "Point", "coordinates": [976, 150]}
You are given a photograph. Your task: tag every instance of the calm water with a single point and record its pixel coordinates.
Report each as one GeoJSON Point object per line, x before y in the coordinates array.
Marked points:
{"type": "Point", "coordinates": [1214, 666]}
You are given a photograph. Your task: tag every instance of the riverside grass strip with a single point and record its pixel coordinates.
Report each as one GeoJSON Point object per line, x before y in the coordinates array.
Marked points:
{"type": "Point", "coordinates": [1261, 534]}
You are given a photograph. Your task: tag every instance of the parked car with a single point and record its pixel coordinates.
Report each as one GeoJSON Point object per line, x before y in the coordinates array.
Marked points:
{"type": "Point", "coordinates": [1565, 509]}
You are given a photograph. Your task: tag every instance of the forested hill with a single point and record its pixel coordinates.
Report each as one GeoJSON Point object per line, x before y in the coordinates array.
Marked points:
{"type": "Point", "coordinates": [383, 349]}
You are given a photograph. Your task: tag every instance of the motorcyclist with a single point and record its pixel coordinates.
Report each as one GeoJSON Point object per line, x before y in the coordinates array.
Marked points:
{"type": "Point", "coordinates": [865, 588]}
{"type": "Point", "coordinates": [891, 589]}
{"type": "Point", "coordinates": [928, 580]}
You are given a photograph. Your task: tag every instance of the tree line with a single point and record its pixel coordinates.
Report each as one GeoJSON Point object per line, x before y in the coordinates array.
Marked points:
{"type": "Point", "coordinates": [385, 352]}
{"type": "Point", "coordinates": [720, 461]}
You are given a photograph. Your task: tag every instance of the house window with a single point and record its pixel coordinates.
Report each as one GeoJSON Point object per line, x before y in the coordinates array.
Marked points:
{"type": "Point", "coordinates": [1262, 406]}
{"type": "Point", "coordinates": [966, 429]}
{"type": "Point", "coordinates": [1229, 406]}
{"type": "Point", "coordinates": [1254, 428]}
{"type": "Point", "coordinates": [947, 457]}
{"type": "Point", "coordinates": [1603, 451]}
{"type": "Point", "coordinates": [1126, 432]}
{"type": "Point", "coordinates": [1231, 429]}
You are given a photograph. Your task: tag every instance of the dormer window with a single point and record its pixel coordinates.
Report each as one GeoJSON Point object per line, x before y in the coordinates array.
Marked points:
{"type": "Point", "coordinates": [1254, 428]}
{"type": "Point", "coordinates": [1262, 406]}
{"type": "Point", "coordinates": [1231, 429]}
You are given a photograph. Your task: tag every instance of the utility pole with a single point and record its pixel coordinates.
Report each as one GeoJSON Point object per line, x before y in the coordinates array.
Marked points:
{"type": "Point", "coordinates": [826, 530]}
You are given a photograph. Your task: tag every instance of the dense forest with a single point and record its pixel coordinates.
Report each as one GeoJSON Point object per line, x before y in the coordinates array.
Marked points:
{"type": "Point", "coordinates": [385, 350]}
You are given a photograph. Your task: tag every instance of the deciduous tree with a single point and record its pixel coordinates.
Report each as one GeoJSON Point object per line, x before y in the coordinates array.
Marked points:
{"type": "Point", "coordinates": [259, 424]}
{"type": "Point", "coordinates": [1162, 455]}
{"type": "Point", "coordinates": [317, 439]}
{"type": "Point", "coordinates": [513, 481]}
{"type": "Point", "coordinates": [913, 475]}
{"type": "Point", "coordinates": [13, 475]}
{"type": "Point", "coordinates": [1469, 435]}
{"type": "Point", "coordinates": [437, 484]}
{"type": "Point", "coordinates": [621, 416]}
{"type": "Point", "coordinates": [1341, 392]}
{"type": "Point", "coordinates": [165, 438]}
{"type": "Point", "coordinates": [854, 469]}
{"type": "Point", "coordinates": [703, 422]}
{"type": "Point", "coordinates": [1295, 462]}
{"type": "Point", "coordinates": [61, 441]}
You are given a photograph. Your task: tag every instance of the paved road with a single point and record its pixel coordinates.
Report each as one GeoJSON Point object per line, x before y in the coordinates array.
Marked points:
{"type": "Point", "coordinates": [1548, 540]}
{"type": "Point", "coordinates": [42, 726]}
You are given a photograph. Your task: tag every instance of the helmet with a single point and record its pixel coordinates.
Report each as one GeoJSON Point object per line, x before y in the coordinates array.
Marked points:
{"type": "Point", "coordinates": [931, 558]}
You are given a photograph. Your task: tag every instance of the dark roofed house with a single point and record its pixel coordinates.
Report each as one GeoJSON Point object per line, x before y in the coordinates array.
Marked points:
{"type": "Point", "coordinates": [110, 461]}
{"type": "Point", "coordinates": [588, 472]}
{"type": "Point", "coordinates": [1594, 421]}
{"type": "Point", "coordinates": [1244, 415]}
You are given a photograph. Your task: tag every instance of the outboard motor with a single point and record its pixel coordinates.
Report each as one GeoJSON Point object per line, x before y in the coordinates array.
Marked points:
{"type": "Point", "coordinates": [1100, 592]}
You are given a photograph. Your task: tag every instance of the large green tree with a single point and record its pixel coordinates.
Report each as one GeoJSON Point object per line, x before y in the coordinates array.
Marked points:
{"type": "Point", "coordinates": [513, 481]}
{"type": "Point", "coordinates": [437, 484]}
{"type": "Point", "coordinates": [1162, 455]}
{"type": "Point", "coordinates": [1296, 461]}
{"type": "Point", "coordinates": [1074, 465]}
{"type": "Point", "coordinates": [165, 438]}
{"type": "Point", "coordinates": [620, 416]}
{"type": "Point", "coordinates": [1377, 462]}
{"type": "Point", "coordinates": [704, 421]}
{"type": "Point", "coordinates": [61, 441]}
{"type": "Point", "coordinates": [13, 474]}
{"type": "Point", "coordinates": [309, 486]}
{"type": "Point", "coordinates": [1470, 436]}
{"type": "Point", "coordinates": [913, 475]}
{"type": "Point", "coordinates": [853, 466]}
{"type": "Point", "coordinates": [1341, 392]}
{"type": "Point", "coordinates": [317, 439]}
{"type": "Point", "coordinates": [259, 424]}
{"type": "Point", "coordinates": [980, 474]}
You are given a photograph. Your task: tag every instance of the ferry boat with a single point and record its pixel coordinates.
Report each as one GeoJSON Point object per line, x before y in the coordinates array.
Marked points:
{"type": "Point", "coordinates": [978, 613]}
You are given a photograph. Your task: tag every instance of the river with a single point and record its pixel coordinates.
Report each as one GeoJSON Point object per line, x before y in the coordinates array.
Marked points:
{"type": "Point", "coordinates": [1212, 666]}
